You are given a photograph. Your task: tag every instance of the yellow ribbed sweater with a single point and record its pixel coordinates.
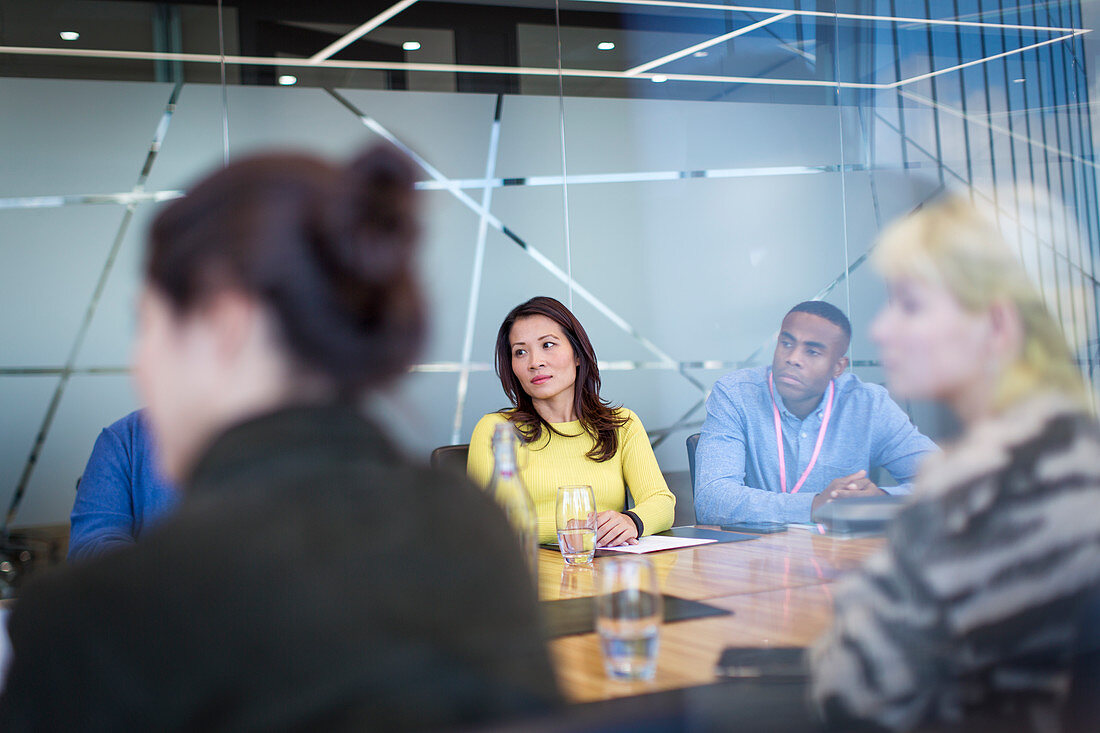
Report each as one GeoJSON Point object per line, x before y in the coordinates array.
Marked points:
{"type": "Point", "coordinates": [560, 460]}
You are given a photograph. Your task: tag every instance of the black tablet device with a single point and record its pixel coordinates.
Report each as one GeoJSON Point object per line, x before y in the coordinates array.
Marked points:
{"type": "Point", "coordinates": [755, 527]}
{"type": "Point", "coordinates": [769, 662]}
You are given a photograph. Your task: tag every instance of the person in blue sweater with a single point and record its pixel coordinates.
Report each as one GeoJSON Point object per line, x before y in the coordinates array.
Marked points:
{"type": "Point", "coordinates": [121, 493]}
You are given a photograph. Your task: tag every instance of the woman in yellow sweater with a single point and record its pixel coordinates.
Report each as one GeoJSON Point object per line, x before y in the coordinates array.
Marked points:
{"type": "Point", "coordinates": [547, 367]}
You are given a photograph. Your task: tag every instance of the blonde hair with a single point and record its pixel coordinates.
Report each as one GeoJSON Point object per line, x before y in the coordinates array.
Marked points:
{"type": "Point", "coordinates": [951, 243]}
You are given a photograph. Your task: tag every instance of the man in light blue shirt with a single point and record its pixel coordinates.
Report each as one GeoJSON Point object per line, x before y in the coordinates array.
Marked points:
{"type": "Point", "coordinates": [834, 428]}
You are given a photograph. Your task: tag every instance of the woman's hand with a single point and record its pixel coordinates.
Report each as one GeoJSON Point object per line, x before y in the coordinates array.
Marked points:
{"type": "Point", "coordinates": [615, 528]}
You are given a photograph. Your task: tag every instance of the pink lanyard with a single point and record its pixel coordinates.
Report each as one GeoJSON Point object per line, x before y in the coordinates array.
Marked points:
{"type": "Point", "coordinates": [779, 438]}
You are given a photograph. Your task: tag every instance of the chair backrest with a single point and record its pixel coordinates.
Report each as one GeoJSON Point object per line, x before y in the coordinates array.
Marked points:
{"type": "Point", "coordinates": [1082, 711]}
{"type": "Point", "coordinates": [450, 458]}
{"type": "Point", "coordinates": [692, 443]}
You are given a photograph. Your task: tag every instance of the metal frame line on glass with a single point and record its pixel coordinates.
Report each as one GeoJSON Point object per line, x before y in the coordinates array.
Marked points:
{"type": "Point", "coordinates": [89, 312]}
{"type": "Point", "coordinates": [534, 253]}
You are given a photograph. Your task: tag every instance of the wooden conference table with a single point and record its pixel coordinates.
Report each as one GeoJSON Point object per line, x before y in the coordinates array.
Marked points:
{"type": "Point", "coordinates": [777, 586]}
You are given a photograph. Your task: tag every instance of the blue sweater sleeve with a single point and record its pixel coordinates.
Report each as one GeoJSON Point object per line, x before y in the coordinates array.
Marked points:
{"type": "Point", "coordinates": [122, 493]}
{"type": "Point", "coordinates": [103, 514]}
{"type": "Point", "coordinates": [721, 496]}
{"type": "Point", "coordinates": [899, 447]}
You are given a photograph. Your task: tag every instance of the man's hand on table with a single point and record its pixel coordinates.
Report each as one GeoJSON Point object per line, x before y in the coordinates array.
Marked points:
{"type": "Point", "coordinates": [855, 486]}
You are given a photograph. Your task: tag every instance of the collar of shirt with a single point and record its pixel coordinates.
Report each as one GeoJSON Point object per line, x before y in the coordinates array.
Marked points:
{"type": "Point", "coordinates": [818, 411]}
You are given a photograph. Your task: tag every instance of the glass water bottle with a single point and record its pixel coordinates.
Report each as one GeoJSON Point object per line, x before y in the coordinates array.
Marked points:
{"type": "Point", "coordinates": [507, 489]}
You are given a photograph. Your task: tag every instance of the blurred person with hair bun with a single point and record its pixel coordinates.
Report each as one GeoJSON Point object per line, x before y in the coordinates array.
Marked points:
{"type": "Point", "coordinates": [312, 578]}
{"type": "Point", "coordinates": [971, 608]}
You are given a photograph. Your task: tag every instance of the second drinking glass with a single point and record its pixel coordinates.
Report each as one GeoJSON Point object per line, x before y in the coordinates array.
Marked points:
{"type": "Point", "coordinates": [628, 616]}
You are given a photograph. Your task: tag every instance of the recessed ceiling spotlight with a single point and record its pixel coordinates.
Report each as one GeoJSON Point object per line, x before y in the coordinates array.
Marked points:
{"type": "Point", "coordinates": [287, 80]}
{"type": "Point", "coordinates": [1018, 81]}
{"type": "Point", "coordinates": [658, 79]}
{"type": "Point", "coordinates": [701, 54]}
{"type": "Point", "coordinates": [69, 35]}
{"type": "Point", "coordinates": [605, 45]}
{"type": "Point", "coordinates": [411, 45]}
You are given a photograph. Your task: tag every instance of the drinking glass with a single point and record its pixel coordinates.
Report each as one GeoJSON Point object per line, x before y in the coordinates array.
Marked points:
{"type": "Point", "coordinates": [576, 520]}
{"type": "Point", "coordinates": [628, 616]}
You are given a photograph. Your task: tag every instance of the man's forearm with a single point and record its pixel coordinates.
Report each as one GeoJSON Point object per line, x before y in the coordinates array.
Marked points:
{"type": "Point", "coordinates": [724, 501]}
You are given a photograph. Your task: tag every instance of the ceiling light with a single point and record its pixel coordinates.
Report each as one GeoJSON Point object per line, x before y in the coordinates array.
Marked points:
{"type": "Point", "coordinates": [287, 80]}
{"type": "Point", "coordinates": [411, 45]}
{"type": "Point", "coordinates": [1018, 81]}
{"type": "Point", "coordinates": [605, 45]}
{"type": "Point", "coordinates": [701, 54]}
{"type": "Point", "coordinates": [69, 35]}
{"type": "Point", "coordinates": [658, 79]}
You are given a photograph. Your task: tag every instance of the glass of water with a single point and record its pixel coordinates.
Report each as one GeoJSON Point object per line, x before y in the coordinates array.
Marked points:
{"type": "Point", "coordinates": [628, 616]}
{"type": "Point", "coordinates": [576, 520]}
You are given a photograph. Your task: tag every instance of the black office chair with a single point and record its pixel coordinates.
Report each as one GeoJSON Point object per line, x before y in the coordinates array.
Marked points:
{"type": "Point", "coordinates": [450, 458]}
{"type": "Point", "coordinates": [692, 444]}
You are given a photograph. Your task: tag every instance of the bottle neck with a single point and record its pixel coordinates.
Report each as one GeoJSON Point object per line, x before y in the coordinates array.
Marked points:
{"type": "Point", "coordinates": [504, 458]}
{"type": "Point", "coordinates": [505, 447]}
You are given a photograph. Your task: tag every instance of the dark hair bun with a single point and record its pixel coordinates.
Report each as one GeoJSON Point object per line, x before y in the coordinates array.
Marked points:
{"type": "Point", "coordinates": [372, 216]}
{"type": "Point", "coordinates": [330, 250]}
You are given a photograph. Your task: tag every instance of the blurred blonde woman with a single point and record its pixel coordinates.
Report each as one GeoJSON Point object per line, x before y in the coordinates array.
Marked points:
{"type": "Point", "coordinates": [970, 609]}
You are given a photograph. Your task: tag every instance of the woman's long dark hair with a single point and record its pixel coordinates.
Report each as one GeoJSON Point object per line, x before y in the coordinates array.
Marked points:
{"type": "Point", "coordinates": [596, 415]}
{"type": "Point", "coordinates": [328, 248]}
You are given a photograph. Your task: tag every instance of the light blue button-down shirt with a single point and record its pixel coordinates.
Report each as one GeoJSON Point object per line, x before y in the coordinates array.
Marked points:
{"type": "Point", "coordinates": [737, 460]}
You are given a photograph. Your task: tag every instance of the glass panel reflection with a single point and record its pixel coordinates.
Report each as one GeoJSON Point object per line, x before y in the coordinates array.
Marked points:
{"type": "Point", "coordinates": [717, 164]}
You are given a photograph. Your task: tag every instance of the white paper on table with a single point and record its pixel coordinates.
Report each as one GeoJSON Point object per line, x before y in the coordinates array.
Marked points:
{"type": "Point", "coordinates": [653, 543]}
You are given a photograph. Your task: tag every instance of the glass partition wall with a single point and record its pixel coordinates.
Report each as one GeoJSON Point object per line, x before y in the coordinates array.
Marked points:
{"type": "Point", "coordinates": [680, 173]}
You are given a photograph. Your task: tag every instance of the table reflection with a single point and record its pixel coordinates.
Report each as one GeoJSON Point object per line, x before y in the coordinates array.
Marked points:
{"type": "Point", "coordinates": [777, 586]}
